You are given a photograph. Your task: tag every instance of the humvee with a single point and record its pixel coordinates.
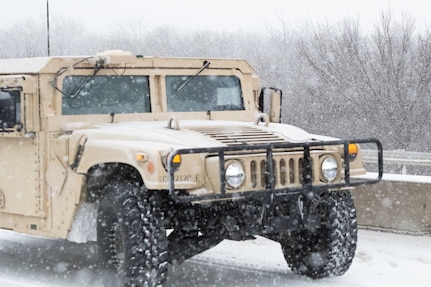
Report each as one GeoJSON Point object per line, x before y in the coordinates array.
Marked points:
{"type": "Point", "coordinates": [159, 159]}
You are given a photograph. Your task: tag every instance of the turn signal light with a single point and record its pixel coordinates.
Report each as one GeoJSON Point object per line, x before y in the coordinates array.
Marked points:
{"type": "Point", "coordinates": [352, 149]}
{"type": "Point", "coordinates": [176, 159]}
{"type": "Point", "coordinates": [141, 156]}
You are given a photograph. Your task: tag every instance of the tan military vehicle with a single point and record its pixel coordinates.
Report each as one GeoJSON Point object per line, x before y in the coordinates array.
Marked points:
{"type": "Point", "coordinates": [159, 159]}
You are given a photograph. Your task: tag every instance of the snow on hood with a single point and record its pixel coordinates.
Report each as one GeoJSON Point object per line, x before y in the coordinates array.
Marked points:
{"type": "Point", "coordinates": [194, 133]}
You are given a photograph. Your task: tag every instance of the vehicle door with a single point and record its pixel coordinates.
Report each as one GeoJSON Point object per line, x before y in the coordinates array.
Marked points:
{"type": "Point", "coordinates": [21, 159]}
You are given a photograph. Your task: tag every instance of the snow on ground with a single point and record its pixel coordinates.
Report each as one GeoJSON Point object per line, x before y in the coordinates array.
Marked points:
{"type": "Point", "coordinates": [382, 259]}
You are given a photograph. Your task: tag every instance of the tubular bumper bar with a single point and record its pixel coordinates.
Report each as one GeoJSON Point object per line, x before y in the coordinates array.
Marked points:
{"type": "Point", "coordinates": [270, 190]}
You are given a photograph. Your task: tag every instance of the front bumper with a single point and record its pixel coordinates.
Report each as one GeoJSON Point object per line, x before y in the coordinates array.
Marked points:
{"type": "Point", "coordinates": [269, 189]}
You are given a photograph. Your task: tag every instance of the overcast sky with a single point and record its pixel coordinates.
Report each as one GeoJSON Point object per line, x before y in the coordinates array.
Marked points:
{"type": "Point", "coordinates": [228, 15]}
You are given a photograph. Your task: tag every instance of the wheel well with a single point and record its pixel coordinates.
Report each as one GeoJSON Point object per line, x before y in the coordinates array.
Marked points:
{"type": "Point", "coordinates": [100, 175]}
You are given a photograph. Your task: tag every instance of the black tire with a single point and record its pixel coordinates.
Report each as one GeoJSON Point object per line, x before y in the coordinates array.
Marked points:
{"type": "Point", "coordinates": [131, 237]}
{"type": "Point", "coordinates": [329, 250]}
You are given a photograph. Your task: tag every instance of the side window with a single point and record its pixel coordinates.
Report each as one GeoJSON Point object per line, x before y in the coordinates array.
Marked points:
{"type": "Point", "coordinates": [10, 111]}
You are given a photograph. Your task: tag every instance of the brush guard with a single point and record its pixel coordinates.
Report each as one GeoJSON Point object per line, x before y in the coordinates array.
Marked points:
{"type": "Point", "coordinates": [268, 194]}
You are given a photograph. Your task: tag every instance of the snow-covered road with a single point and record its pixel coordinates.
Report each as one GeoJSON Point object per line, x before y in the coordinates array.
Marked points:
{"type": "Point", "coordinates": [382, 259]}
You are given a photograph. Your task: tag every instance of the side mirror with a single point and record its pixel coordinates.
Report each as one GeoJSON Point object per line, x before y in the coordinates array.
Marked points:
{"type": "Point", "coordinates": [7, 110]}
{"type": "Point", "coordinates": [270, 103]}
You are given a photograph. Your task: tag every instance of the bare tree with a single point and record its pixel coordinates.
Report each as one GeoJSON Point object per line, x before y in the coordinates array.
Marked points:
{"type": "Point", "coordinates": [130, 35]}
{"type": "Point", "coordinates": [26, 39]}
{"type": "Point", "coordinates": [371, 84]}
{"type": "Point", "coordinates": [66, 35]}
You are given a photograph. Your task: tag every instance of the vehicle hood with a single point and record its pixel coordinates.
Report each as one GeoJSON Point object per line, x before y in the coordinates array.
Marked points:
{"type": "Point", "coordinates": [193, 133]}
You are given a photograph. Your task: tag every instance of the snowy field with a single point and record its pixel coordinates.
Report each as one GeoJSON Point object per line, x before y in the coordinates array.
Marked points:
{"type": "Point", "coordinates": [382, 259]}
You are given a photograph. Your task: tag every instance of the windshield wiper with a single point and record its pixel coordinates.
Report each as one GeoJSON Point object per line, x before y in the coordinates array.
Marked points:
{"type": "Point", "coordinates": [61, 71]}
{"type": "Point", "coordinates": [205, 66]}
{"type": "Point", "coordinates": [53, 81]}
{"type": "Point", "coordinates": [97, 68]}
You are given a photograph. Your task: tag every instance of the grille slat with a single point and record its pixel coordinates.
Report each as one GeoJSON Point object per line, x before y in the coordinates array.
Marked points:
{"type": "Point", "coordinates": [286, 172]}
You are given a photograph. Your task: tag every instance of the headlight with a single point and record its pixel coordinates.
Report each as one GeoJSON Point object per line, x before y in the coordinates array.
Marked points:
{"type": "Point", "coordinates": [234, 174]}
{"type": "Point", "coordinates": [329, 169]}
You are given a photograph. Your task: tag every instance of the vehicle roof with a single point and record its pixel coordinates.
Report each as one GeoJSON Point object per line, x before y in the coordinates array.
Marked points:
{"type": "Point", "coordinates": [114, 58]}
{"type": "Point", "coordinates": [23, 66]}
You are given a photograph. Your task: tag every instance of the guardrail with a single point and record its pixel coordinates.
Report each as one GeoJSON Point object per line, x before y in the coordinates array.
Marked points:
{"type": "Point", "coordinates": [399, 157]}
{"type": "Point", "coordinates": [417, 162]}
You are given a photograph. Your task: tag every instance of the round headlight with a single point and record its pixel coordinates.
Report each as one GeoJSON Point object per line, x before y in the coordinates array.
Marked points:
{"type": "Point", "coordinates": [234, 174]}
{"type": "Point", "coordinates": [329, 169]}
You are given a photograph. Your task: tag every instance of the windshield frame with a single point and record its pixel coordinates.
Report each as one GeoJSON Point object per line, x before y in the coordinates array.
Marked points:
{"type": "Point", "coordinates": [157, 86]}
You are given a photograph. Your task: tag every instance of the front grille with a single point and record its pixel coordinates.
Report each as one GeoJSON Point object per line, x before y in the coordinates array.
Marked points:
{"type": "Point", "coordinates": [239, 135]}
{"type": "Point", "coordinates": [288, 172]}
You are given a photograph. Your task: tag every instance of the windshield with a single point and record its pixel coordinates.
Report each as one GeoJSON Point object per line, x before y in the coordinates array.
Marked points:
{"type": "Point", "coordinates": [203, 93]}
{"type": "Point", "coordinates": [105, 95]}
